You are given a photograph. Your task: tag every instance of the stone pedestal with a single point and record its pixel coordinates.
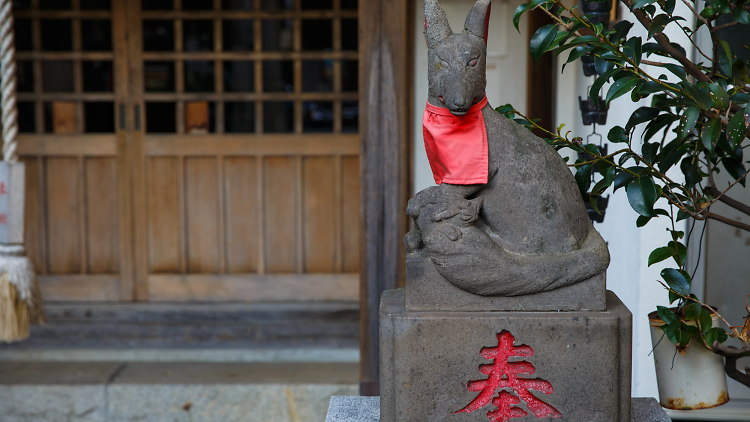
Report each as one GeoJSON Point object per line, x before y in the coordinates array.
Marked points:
{"type": "Point", "coordinates": [574, 366]}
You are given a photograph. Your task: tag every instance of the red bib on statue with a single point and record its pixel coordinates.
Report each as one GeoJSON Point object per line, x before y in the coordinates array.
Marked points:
{"type": "Point", "coordinates": [456, 145]}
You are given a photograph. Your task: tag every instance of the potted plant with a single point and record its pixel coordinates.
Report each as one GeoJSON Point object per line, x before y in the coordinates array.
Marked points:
{"type": "Point", "coordinates": [697, 122]}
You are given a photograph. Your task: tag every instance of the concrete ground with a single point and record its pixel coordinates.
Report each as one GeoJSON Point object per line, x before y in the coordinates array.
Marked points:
{"type": "Point", "coordinates": [54, 391]}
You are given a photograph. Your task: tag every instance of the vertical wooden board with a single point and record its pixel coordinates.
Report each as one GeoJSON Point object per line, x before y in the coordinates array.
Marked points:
{"type": "Point", "coordinates": [63, 206]}
{"type": "Point", "coordinates": [242, 209]}
{"type": "Point", "coordinates": [279, 199]}
{"type": "Point", "coordinates": [163, 215]}
{"type": "Point", "coordinates": [64, 117]}
{"type": "Point", "coordinates": [202, 215]}
{"type": "Point", "coordinates": [196, 117]}
{"type": "Point", "coordinates": [350, 213]}
{"type": "Point", "coordinates": [33, 224]}
{"type": "Point", "coordinates": [102, 215]}
{"type": "Point", "coordinates": [319, 213]}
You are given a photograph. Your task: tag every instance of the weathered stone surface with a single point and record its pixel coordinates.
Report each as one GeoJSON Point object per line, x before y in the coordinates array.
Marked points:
{"type": "Point", "coordinates": [427, 359]}
{"type": "Point", "coordinates": [354, 409]}
{"type": "Point", "coordinates": [526, 230]}
{"type": "Point", "coordinates": [367, 409]}
{"type": "Point", "coordinates": [52, 403]}
{"type": "Point", "coordinates": [427, 290]}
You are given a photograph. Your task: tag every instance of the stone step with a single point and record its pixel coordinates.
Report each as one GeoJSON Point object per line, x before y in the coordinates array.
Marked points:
{"type": "Point", "coordinates": [168, 391]}
{"type": "Point", "coordinates": [195, 326]}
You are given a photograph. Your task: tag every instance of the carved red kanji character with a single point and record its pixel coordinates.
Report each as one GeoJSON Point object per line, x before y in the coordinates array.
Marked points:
{"type": "Point", "coordinates": [502, 373]}
{"type": "Point", "coordinates": [506, 408]}
{"type": "Point", "coordinates": [3, 218]}
{"type": "Point", "coordinates": [3, 191]}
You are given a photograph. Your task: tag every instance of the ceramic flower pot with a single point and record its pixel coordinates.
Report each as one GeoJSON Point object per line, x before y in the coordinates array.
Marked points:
{"type": "Point", "coordinates": [694, 381]}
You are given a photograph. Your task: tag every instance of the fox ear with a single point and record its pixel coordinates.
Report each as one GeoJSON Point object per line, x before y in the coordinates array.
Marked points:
{"type": "Point", "coordinates": [436, 27]}
{"type": "Point", "coordinates": [478, 21]}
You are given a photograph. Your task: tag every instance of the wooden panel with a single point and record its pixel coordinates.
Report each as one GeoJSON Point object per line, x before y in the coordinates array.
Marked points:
{"type": "Point", "coordinates": [254, 288]}
{"type": "Point", "coordinates": [88, 145]}
{"type": "Point", "coordinates": [319, 214]}
{"type": "Point", "coordinates": [196, 117]}
{"type": "Point", "coordinates": [63, 186]}
{"type": "Point", "coordinates": [242, 210]}
{"type": "Point", "coordinates": [33, 220]}
{"type": "Point", "coordinates": [64, 117]}
{"type": "Point", "coordinates": [163, 215]}
{"type": "Point", "coordinates": [350, 213]}
{"type": "Point", "coordinates": [102, 215]}
{"type": "Point", "coordinates": [306, 145]}
{"type": "Point", "coordinates": [202, 215]}
{"type": "Point", "coordinates": [279, 202]}
{"type": "Point", "coordinates": [73, 288]}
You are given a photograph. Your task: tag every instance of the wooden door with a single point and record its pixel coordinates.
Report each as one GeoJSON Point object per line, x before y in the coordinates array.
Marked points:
{"type": "Point", "coordinates": [229, 170]}
{"type": "Point", "coordinates": [246, 164]}
{"type": "Point", "coordinates": [72, 78]}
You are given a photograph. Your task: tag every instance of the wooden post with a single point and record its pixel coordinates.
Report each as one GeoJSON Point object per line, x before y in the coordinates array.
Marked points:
{"type": "Point", "coordinates": [540, 89]}
{"type": "Point", "coordinates": [385, 99]}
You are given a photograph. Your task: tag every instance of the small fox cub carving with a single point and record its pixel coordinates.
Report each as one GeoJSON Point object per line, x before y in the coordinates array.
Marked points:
{"type": "Point", "coordinates": [526, 230]}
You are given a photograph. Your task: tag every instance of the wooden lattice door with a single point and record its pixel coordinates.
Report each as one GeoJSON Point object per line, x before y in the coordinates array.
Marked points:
{"type": "Point", "coordinates": [234, 152]}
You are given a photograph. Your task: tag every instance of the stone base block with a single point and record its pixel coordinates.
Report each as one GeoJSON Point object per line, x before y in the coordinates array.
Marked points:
{"type": "Point", "coordinates": [427, 290]}
{"type": "Point", "coordinates": [458, 366]}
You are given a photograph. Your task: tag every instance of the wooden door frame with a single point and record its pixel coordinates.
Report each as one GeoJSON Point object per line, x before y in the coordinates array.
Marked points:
{"type": "Point", "coordinates": [386, 100]}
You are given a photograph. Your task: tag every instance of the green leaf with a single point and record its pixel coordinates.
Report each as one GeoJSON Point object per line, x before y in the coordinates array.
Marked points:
{"type": "Point", "coordinates": [648, 151]}
{"type": "Point", "coordinates": [541, 40]}
{"type": "Point", "coordinates": [641, 115]}
{"type": "Point", "coordinates": [726, 58]}
{"type": "Point", "coordinates": [710, 337]}
{"type": "Point", "coordinates": [520, 10]}
{"type": "Point", "coordinates": [710, 134]}
{"type": "Point", "coordinates": [617, 134]}
{"type": "Point", "coordinates": [669, 6]}
{"type": "Point", "coordinates": [682, 215]}
{"type": "Point", "coordinates": [719, 97]}
{"type": "Point", "coordinates": [699, 95]}
{"type": "Point", "coordinates": [605, 182]}
{"type": "Point", "coordinates": [632, 49]}
{"type": "Point", "coordinates": [642, 221]}
{"type": "Point", "coordinates": [642, 195]}
{"type": "Point", "coordinates": [583, 178]}
{"type": "Point", "coordinates": [692, 176]}
{"type": "Point", "coordinates": [681, 252]}
{"type": "Point", "coordinates": [660, 254]}
{"type": "Point", "coordinates": [667, 315]}
{"type": "Point", "coordinates": [536, 3]}
{"type": "Point", "coordinates": [657, 24]}
{"type": "Point", "coordinates": [620, 31]}
{"type": "Point", "coordinates": [621, 87]}
{"type": "Point", "coordinates": [677, 280]}
{"type": "Point", "coordinates": [722, 6]}
{"type": "Point", "coordinates": [736, 130]}
{"type": "Point", "coordinates": [578, 52]}
{"type": "Point", "coordinates": [705, 321]}
{"type": "Point", "coordinates": [599, 82]}
{"type": "Point", "coordinates": [722, 334]}
{"type": "Point", "coordinates": [691, 117]}
{"type": "Point", "coordinates": [602, 65]}
{"type": "Point", "coordinates": [741, 16]}
{"type": "Point", "coordinates": [692, 311]}
{"type": "Point", "coordinates": [678, 71]}
{"type": "Point", "coordinates": [735, 168]}
{"type": "Point", "coordinates": [670, 159]}
{"type": "Point", "coordinates": [622, 179]}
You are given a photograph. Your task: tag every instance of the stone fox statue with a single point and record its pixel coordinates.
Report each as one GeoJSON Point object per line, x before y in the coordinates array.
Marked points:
{"type": "Point", "coordinates": [507, 218]}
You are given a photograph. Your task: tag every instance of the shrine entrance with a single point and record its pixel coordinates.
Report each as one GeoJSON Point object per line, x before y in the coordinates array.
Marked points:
{"type": "Point", "coordinates": [191, 150]}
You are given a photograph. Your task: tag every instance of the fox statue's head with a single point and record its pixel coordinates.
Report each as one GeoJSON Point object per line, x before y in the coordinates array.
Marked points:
{"type": "Point", "coordinates": [456, 62]}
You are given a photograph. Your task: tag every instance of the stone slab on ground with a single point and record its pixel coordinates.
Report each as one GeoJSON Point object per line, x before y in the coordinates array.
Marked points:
{"type": "Point", "coordinates": [428, 358]}
{"type": "Point", "coordinates": [427, 290]}
{"type": "Point", "coordinates": [367, 409]}
{"type": "Point", "coordinates": [145, 392]}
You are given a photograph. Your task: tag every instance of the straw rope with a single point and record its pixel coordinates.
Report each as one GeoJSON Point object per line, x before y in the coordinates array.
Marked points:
{"type": "Point", "coordinates": [8, 83]}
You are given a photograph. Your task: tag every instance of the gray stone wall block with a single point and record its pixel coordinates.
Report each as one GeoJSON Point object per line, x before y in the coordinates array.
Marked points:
{"type": "Point", "coordinates": [427, 290]}
{"type": "Point", "coordinates": [428, 358]}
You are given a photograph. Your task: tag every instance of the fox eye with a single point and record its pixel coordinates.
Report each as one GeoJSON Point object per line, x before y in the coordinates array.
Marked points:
{"type": "Point", "coordinates": [473, 62]}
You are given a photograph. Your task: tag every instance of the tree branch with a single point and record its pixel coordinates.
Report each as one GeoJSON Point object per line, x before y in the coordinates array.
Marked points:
{"type": "Point", "coordinates": [729, 221]}
{"type": "Point", "coordinates": [733, 354]}
{"type": "Point", "coordinates": [739, 206]}
{"type": "Point", "coordinates": [690, 68]}
{"type": "Point", "coordinates": [726, 25]}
